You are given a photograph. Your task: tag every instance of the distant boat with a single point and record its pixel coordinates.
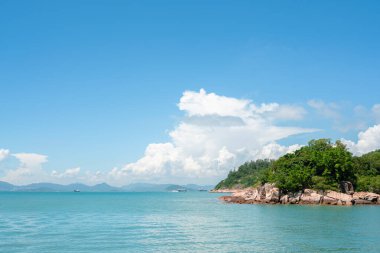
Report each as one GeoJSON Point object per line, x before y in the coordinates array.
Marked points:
{"type": "Point", "coordinates": [179, 190]}
{"type": "Point", "coordinates": [202, 190]}
{"type": "Point", "coordinates": [76, 190]}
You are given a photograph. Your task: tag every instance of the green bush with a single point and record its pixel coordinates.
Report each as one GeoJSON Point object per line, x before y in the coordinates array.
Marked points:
{"type": "Point", "coordinates": [369, 183]}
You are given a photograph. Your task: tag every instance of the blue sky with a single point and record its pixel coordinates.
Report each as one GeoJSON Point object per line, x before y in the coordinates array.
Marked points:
{"type": "Point", "coordinates": [91, 84]}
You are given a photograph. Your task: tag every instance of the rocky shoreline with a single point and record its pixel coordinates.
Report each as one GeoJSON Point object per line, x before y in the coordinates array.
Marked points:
{"type": "Point", "coordinates": [269, 194]}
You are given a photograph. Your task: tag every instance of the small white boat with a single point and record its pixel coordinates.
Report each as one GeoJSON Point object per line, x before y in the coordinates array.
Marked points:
{"type": "Point", "coordinates": [76, 190]}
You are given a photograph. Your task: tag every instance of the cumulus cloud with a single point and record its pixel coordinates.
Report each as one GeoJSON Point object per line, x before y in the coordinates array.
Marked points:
{"type": "Point", "coordinates": [29, 169]}
{"type": "Point", "coordinates": [31, 160]}
{"type": "Point", "coordinates": [69, 173]}
{"type": "Point", "coordinates": [210, 104]}
{"type": "Point", "coordinates": [368, 140]}
{"type": "Point", "coordinates": [274, 150]}
{"type": "Point", "coordinates": [217, 134]}
{"type": "Point", "coordinates": [3, 153]}
{"type": "Point", "coordinates": [202, 104]}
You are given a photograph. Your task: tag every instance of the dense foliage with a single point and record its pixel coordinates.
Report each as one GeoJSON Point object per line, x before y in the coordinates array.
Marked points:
{"type": "Point", "coordinates": [248, 174]}
{"type": "Point", "coordinates": [320, 165]}
{"type": "Point", "coordinates": [368, 172]}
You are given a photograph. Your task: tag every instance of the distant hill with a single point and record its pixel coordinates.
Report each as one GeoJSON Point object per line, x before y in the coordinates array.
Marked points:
{"type": "Point", "coordinates": [136, 187]}
{"type": "Point", "coordinates": [4, 186]}
{"type": "Point", "coordinates": [146, 187]}
{"type": "Point", "coordinates": [50, 187]}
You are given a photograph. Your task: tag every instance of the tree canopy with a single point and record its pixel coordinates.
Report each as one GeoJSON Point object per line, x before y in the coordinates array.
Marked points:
{"type": "Point", "coordinates": [249, 174]}
{"type": "Point", "coordinates": [320, 165]}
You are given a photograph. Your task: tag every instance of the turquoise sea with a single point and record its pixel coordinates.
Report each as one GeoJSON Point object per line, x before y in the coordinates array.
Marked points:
{"type": "Point", "coordinates": [178, 222]}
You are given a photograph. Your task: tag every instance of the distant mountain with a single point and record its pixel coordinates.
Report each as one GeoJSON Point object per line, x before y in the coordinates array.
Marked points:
{"type": "Point", "coordinates": [147, 187]}
{"type": "Point", "coordinates": [4, 186]}
{"type": "Point", "coordinates": [199, 187]}
{"type": "Point", "coordinates": [136, 187]}
{"type": "Point", "coordinates": [105, 188]}
{"type": "Point", "coordinates": [50, 187]}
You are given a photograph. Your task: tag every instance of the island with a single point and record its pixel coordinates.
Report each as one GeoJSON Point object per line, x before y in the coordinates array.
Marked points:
{"type": "Point", "coordinates": [320, 173]}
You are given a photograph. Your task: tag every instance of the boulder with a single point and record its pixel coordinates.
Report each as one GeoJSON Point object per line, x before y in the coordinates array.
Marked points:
{"type": "Point", "coordinates": [345, 199]}
{"type": "Point", "coordinates": [310, 197]}
{"type": "Point", "coordinates": [294, 198]}
{"type": "Point", "coordinates": [346, 187]}
{"type": "Point", "coordinates": [254, 195]}
{"type": "Point", "coordinates": [232, 199]}
{"type": "Point", "coordinates": [329, 201]}
{"type": "Point", "coordinates": [261, 193]}
{"type": "Point", "coordinates": [284, 199]}
{"type": "Point", "coordinates": [272, 194]}
{"type": "Point", "coordinates": [369, 196]}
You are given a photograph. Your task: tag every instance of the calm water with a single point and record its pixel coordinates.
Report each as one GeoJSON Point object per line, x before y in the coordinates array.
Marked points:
{"type": "Point", "coordinates": [181, 222]}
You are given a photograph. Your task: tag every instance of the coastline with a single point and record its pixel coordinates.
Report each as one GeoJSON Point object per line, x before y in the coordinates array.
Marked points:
{"type": "Point", "coordinates": [223, 191]}
{"type": "Point", "coordinates": [269, 194]}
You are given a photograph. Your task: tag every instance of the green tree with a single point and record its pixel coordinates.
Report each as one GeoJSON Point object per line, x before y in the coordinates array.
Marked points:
{"type": "Point", "coordinates": [368, 172]}
{"type": "Point", "coordinates": [320, 164]}
{"type": "Point", "coordinates": [247, 175]}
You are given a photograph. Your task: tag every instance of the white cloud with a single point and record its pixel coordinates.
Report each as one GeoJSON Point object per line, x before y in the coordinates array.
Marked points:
{"type": "Point", "coordinates": [29, 170]}
{"type": "Point", "coordinates": [69, 173]}
{"type": "Point", "coordinates": [368, 140]}
{"type": "Point", "coordinates": [3, 153]}
{"type": "Point", "coordinates": [217, 134]}
{"type": "Point", "coordinates": [210, 104]}
{"type": "Point", "coordinates": [202, 104]}
{"type": "Point", "coordinates": [30, 159]}
{"type": "Point", "coordinates": [274, 150]}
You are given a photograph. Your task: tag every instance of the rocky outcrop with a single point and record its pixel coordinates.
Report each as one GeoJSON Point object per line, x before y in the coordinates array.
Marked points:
{"type": "Point", "coordinates": [366, 198]}
{"type": "Point", "coordinates": [223, 191]}
{"type": "Point", "coordinates": [346, 187]}
{"type": "Point", "coordinates": [311, 197]}
{"type": "Point", "coordinates": [269, 194]}
{"type": "Point", "coordinates": [337, 198]}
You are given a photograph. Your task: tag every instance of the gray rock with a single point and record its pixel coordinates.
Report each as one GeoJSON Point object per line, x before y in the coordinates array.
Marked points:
{"type": "Point", "coordinates": [346, 187]}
